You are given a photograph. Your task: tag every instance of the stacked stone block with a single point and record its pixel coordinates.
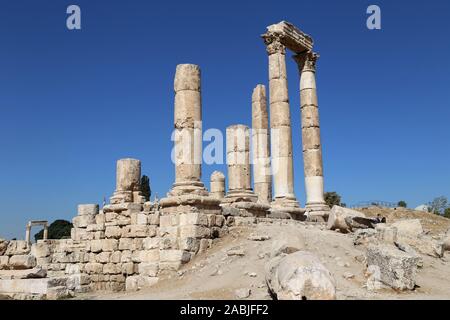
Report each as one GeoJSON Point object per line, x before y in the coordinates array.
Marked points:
{"type": "Point", "coordinates": [83, 222]}
{"type": "Point", "coordinates": [15, 255]}
{"type": "Point", "coordinates": [186, 230]}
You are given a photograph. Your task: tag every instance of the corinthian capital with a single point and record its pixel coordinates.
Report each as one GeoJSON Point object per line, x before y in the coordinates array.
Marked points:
{"type": "Point", "coordinates": [306, 61]}
{"type": "Point", "coordinates": [273, 43]}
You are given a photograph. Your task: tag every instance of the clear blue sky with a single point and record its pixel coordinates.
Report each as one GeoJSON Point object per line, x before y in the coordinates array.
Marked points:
{"type": "Point", "coordinates": [73, 102]}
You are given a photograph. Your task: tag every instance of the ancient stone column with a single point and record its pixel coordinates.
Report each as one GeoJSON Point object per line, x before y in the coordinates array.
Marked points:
{"type": "Point", "coordinates": [217, 187]}
{"type": "Point", "coordinates": [28, 233]}
{"type": "Point", "coordinates": [128, 181]}
{"type": "Point", "coordinates": [238, 163]}
{"type": "Point", "coordinates": [262, 178]}
{"type": "Point", "coordinates": [45, 236]}
{"type": "Point", "coordinates": [188, 131]}
{"type": "Point", "coordinates": [280, 124]}
{"type": "Point", "coordinates": [312, 148]}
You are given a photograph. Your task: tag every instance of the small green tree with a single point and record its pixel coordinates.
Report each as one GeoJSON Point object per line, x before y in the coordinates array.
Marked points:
{"type": "Point", "coordinates": [402, 204]}
{"type": "Point", "coordinates": [145, 187]}
{"type": "Point", "coordinates": [58, 229]}
{"type": "Point", "coordinates": [332, 199]}
{"type": "Point", "coordinates": [447, 213]}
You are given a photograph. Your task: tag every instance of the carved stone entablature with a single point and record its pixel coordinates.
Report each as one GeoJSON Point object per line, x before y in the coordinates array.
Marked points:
{"type": "Point", "coordinates": [289, 36]}
{"type": "Point", "coordinates": [306, 61]}
{"type": "Point", "coordinates": [273, 43]}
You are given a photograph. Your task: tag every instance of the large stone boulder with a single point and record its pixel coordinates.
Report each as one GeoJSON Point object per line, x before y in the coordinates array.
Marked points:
{"type": "Point", "coordinates": [347, 219]}
{"type": "Point", "coordinates": [410, 232]}
{"type": "Point", "coordinates": [408, 228]}
{"type": "Point", "coordinates": [23, 261]}
{"type": "Point", "coordinates": [425, 245]}
{"type": "Point", "coordinates": [392, 266]}
{"type": "Point", "coordinates": [299, 276]}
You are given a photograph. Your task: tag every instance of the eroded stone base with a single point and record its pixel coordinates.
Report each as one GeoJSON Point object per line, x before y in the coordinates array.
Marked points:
{"type": "Point", "coordinates": [317, 212]}
{"type": "Point", "coordinates": [286, 208]}
{"type": "Point", "coordinates": [188, 223]}
{"type": "Point", "coordinates": [245, 209]}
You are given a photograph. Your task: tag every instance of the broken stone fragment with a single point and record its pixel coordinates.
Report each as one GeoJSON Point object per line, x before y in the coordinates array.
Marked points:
{"type": "Point", "coordinates": [4, 262]}
{"type": "Point", "coordinates": [425, 245]}
{"type": "Point", "coordinates": [364, 236]}
{"type": "Point", "coordinates": [408, 249]}
{"type": "Point", "coordinates": [242, 293]}
{"type": "Point", "coordinates": [387, 234]}
{"type": "Point", "coordinates": [299, 276]}
{"type": "Point", "coordinates": [408, 228]}
{"type": "Point", "coordinates": [135, 283]}
{"type": "Point", "coordinates": [346, 220]}
{"type": "Point", "coordinates": [373, 282]}
{"type": "Point", "coordinates": [236, 252]}
{"type": "Point", "coordinates": [348, 275]}
{"type": "Point", "coordinates": [393, 267]}
{"type": "Point", "coordinates": [258, 237]}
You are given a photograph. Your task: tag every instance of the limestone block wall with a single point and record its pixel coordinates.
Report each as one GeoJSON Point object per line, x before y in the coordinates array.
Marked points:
{"type": "Point", "coordinates": [120, 242]}
{"type": "Point", "coordinates": [15, 255]}
{"type": "Point", "coordinates": [50, 263]}
{"type": "Point", "coordinates": [124, 246]}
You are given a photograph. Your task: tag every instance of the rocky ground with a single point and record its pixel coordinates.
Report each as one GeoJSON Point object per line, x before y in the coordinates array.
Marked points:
{"type": "Point", "coordinates": [433, 224]}
{"type": "Point", "coordinates": [234, 268]}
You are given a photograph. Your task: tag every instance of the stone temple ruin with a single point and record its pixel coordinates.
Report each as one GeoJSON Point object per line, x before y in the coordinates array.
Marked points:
{"type": "Point", "coordinates": [129, 243]}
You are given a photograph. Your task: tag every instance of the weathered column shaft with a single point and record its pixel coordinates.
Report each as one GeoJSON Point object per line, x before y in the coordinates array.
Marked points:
{"type": "Point", "coordinates": [312, 148]}
{"type": "Point", "coordinates": [28, 234]}
{"type": "Point", "coordinates": [45, 236]}
{"type": "Point", "coordinates": [217, 185]}
{"type": "Point", "coordinates": [188, 124]}
{"type": "Point", "coordinates": [260, 142]}
{"type": "Point", "coordinates": [128, 182]}
{"type": "Point", "coordinates": [128, 175]}
{"type": "Point", "coordinates": [280, 121]}
{"type": "Point", "coordinates": [238, 158]}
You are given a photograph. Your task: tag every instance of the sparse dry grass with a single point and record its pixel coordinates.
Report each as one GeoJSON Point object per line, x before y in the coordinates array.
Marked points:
{"type": "Point", "coordinates": [431, 223]}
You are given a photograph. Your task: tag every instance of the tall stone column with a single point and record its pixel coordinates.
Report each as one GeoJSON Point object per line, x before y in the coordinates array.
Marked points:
{"type": "Point", "coordinates": [280, 124]}
{"type": "Point", "coordinates": [28, 233]}
{"type": "Point", "coordinates": [45, 236]}
{"type": "Point", "coordinates": [238, 163]}
{"type": "Point", "coordinates": [128, 181]}
{"type": "Point", "coordinates": [188, 131]}
{"type": "Point", "coordinates": [312, 148]}
{"type": "Point", "coordinates": [262, 178]}
{"type": "Point", "coordinates": [217, 185]}
{"type": "Point", "coordinates": [188, 204]}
